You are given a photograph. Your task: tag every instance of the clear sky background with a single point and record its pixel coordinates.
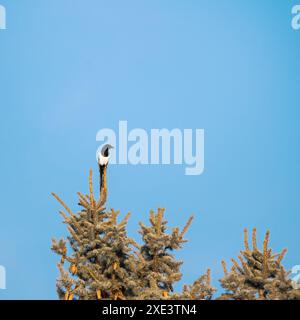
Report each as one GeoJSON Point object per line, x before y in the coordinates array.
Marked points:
{"type": "Point", "coordinates": [69, 68]}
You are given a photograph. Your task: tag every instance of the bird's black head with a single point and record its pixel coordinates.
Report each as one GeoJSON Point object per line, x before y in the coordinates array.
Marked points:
{"type": "Point", "coordinates": [105, 150]}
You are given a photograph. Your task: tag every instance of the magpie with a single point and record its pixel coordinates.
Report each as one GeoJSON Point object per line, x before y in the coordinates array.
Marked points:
{"type": "Point", "coordinates": [103, 155]}
{"type": "Point", "coordinates": [102, 159]}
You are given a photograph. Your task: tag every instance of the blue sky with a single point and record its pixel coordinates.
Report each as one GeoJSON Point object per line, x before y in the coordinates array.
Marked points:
{"type": "Point", "coordinates": [69, 68]}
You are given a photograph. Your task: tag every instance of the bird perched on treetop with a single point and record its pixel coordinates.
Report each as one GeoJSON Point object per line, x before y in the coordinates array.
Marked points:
{"type": "Point", "coordinates": [103, 158]}
{"type": "Point", "coordinates": [103, 155]}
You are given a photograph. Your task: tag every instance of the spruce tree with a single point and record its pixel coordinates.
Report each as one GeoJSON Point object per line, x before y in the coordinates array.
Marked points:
{"type": "Point", "coordinates": [101, 264]}
{"type": "Point", "coordinates": [260, 274]}
{"type": "Point", "coordinates": [158, 268]}
{"type": "Point", "coordinates": [201, 289]}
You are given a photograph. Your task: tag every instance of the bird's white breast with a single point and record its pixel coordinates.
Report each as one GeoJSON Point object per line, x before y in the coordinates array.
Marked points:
{"type": "Point", "coordinates": [102, 160]}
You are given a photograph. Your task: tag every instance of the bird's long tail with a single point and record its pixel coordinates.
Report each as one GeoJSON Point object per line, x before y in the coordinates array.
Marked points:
{"type": "Point", "coordinates": [103, 186]}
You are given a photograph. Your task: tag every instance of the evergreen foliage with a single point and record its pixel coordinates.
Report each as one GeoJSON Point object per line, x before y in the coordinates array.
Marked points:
{"type": "Point", "coordinates": [99, 261]}
{"type": "Point", "coordinates": [159, 270]}
{"type": "Point", "coordinates": [101, 264]}
{"type": "Point", "coordinates": [259, 276]}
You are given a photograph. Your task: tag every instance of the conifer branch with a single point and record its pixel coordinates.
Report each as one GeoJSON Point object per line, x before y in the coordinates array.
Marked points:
{"type": "Point", "coordinates": [224, 267]}
{"type": "Point", "coordinates": [186, 226]}
{"type": "Point", "coordinates": [254, 243]}
{"type": "Point", "coordinates": [62, 203]}
{"type": "Point", "coordinates": [246, 243]}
